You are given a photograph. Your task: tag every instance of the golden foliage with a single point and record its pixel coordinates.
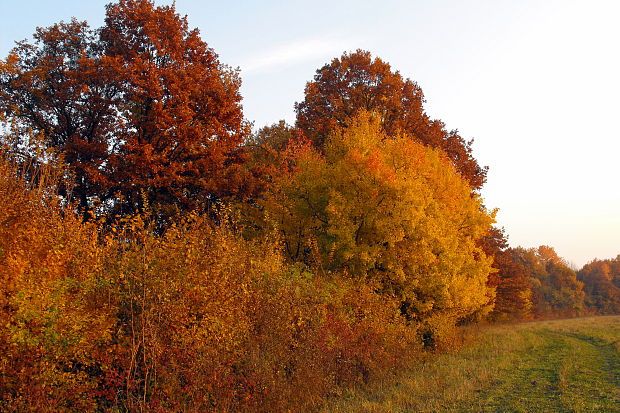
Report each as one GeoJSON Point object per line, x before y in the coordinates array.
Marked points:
{"type": "Point", "coordinates": [98, 317]}
{"type": "Point", "coordinates": [387, 210]}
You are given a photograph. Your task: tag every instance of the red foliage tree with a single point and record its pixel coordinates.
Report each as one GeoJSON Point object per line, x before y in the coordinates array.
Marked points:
{"type": "Point", "coordinates": [513, 299]}
{"type": "Point", "coordinates": [357, 82]}
{"type": "Point", "coordinates": [58, 88]}
{"type": "Point", "coordinates": [141, 107]}
{"type": "Point", "coordinates": [181, 121]}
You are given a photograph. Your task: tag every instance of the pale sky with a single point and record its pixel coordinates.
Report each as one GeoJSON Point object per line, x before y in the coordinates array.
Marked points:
{"type": "Point", "coordinates": [536, 83]}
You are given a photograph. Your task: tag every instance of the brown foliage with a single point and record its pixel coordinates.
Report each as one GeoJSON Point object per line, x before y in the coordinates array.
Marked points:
{"type": "Point", "coordinates": [60, 88]}
{"type": "Point", "coordinates": [513, 299]}
{"type": "Point", "coordinates": [181, 121]}
{"type": "Point", "coordinates": [556, 291]}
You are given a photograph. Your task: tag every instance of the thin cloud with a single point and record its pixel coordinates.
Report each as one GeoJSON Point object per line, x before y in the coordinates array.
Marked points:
{"type": "Point", "coordinates": [297, 51]}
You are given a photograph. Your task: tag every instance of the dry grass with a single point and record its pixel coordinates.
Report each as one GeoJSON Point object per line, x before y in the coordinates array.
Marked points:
{"type": "Point", "coordinates": [547, 366]}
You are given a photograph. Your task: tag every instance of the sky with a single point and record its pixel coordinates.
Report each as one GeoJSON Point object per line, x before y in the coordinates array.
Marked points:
{"type": "Point", "coordinates": [535, 83]}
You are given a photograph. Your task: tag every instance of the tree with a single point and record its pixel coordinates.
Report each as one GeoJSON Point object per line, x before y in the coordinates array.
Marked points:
{"type": "Point", "coordinates": [601, 280]}
{"type": "Point", "coordinates": [60, 89]}
{"type": "Point", "coordinates": [392, 212]}
{"type": "Point", "coordinates": [182, 121]}
{"type": "Point", "coordinates": [269, 142]}
{"type": "Point", "coordinates": [142, 107]}
{"type": "Point", "coordinates": [357, 82]}
{"type": "Point", "coordinates": [555, 287]}
{"type": "Point", "coordinates": [514, 294]}
{"type": "Point", "coordinates": [513, 297]}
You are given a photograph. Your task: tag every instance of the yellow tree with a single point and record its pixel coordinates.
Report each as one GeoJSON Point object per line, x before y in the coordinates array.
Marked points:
{"type": "Point", "coordinates": [391, 211]}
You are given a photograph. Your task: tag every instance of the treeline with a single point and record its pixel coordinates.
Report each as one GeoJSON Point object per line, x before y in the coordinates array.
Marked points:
{"type": "Point", "coordinates": [537, 283]}
{"type": "Point", "coordinates": [158, 255]}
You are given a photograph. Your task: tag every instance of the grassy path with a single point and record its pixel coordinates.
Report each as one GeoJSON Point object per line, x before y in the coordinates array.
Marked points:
{"type": "Point", "coordinates": [549, 366]}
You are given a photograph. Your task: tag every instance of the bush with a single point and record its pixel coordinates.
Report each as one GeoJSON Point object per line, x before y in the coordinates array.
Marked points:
{"type": "Point", "coordinates": [197, 318]}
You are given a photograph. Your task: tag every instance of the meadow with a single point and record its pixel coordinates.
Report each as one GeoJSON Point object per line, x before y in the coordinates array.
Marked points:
{"type": "Point", "coordinates": [569, 365]}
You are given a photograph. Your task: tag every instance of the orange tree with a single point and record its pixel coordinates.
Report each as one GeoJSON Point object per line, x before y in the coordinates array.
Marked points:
{"type": "Point", "coordinates": [555, 287]}
{"type": "Point", "coordinates": [357, 82]}
{"type": "Point", "coordinates": [59, 88]}
{"type": "Point", "coordinates": [511, 279]}
{"type": "Point", "coordinates": [140, 107]}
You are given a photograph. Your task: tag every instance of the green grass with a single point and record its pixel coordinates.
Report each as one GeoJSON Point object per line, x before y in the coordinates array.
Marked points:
{"type": "Point", "coordinates": [546, 366]}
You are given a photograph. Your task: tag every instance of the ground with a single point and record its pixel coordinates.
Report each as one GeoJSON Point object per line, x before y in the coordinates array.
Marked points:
{"type": "Point", "coordinates": [570, 365]}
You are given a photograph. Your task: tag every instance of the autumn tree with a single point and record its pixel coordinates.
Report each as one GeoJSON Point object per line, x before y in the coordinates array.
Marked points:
{"type": "Point", "coordinates": [59, 89]}
{"type": "Point", "coordinates": [513, 298]}
{"type": "Point", "coordinates": [141, 107]}
{"type": "Point", "coordinates": [392, 212]}
{"type": "Point", "coordinates": [555, 287]}
{"type": "Point", "coordinates": [355, 82]}
{"type": "Point", "coordinates": [182, 121]}
{"type": "Point", "coordinates": [267, 145]}
{"type": "Point", "coordinates": [601, 280]}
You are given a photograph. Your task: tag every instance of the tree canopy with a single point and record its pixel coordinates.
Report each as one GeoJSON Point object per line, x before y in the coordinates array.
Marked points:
{"type": "Point", "coordinates": [510, 278]}
{"type": "Point", "coordinates": [356, 82]}
{"type": "Point", "coordinates": [392, 211]}
{"type": "Point", "coordinates": [141, 107]}
{"type": "Point", "coordinates": [555, 287]}
{"type": "Point", "coordinates": [601, 280]}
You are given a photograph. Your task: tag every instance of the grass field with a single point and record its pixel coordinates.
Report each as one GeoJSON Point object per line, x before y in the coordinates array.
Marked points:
{"type": "Point", "coordinates": [545, 366]}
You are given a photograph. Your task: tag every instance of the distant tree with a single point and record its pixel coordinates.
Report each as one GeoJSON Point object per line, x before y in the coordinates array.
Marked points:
{"type": "Point", "coordinates": [601, 280]}
{"type": "Point", "coordinates": [142, 107]}
{"type": "Point", "coordinates": [555, 287]}
{"type": "Point", "coordinates": [357, 82]}
{"type": "Point", "coordinates": [513, 298]}
{"type": "Point", "coordinates": [276, 136]}
{"type": "Point", "coordinates": [267, 144]}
